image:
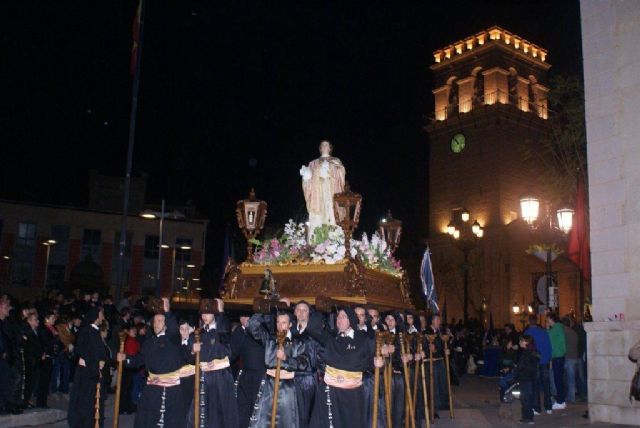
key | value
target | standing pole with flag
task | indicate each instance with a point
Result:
(428, 283)
(136, 54)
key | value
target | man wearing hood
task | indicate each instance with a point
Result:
(92, 356)
(441, 392)
(162, 398)
(217, 410)
(340, 395)
(395, 325)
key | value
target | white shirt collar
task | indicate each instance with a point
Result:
(95, 326)
(289, 335)
(348, 333)
(185, 341)
(392, 331)
(363, 327)
(301, 328)
(161, 334)
(412, 329)
(212, 326)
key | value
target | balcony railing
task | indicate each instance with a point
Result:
(491, 98)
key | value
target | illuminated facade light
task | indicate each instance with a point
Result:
(565, 219)
(530, 208)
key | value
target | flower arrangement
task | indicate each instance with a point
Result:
(325, 246)
(540, 251)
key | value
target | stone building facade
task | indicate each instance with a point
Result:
(610, 39)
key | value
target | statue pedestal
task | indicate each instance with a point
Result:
(348, 281)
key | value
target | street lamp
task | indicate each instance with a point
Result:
(530, 207)
(391, 231)
(515, 308)
(465, 237)
(346, 209)
(251, 214)
(48, 243)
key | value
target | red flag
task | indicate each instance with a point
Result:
(136, 39)
(578, 248)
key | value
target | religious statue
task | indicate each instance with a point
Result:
(323, 178)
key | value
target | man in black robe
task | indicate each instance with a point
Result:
(92, 356)
(7, 355)
(218, 409)
(441, 393)
(306, 377)
(340, 395)
(251, 356)
(292, 359)
(395, 325)
(161, 404)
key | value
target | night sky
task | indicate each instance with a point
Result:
(239, 94)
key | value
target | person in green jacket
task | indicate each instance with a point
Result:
(558, 353)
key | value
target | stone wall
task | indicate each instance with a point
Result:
(610, 36)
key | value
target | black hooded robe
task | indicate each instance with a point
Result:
(82, 399)
(160, 406)
(339, 407)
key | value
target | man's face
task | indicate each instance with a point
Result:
(507, 329)
(435, 322)
(207, 318)
(184, 331)
(158, 324)
(409, 318)
(100, 318)
(283, 323)
(423, 321)
(390, 321)
(361, 315)
(4, 310)
(33, 321)
(325, 148)
(302, 312)
(375, 316)
(244, 321)
(95, 297)
(132, 332)
(342, 322)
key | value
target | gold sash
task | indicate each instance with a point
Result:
(342, 378)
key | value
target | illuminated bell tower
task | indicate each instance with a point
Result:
(490, 115)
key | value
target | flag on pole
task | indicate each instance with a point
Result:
(136, 39)
(578, 247)
(428, 283)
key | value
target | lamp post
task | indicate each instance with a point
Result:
(391, 230)
(161, 215)
(346, 209)
(251, 214)
(530, 211)
(466, 238)
(48, 243)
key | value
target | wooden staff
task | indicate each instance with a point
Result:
(407, 388)
(388, 378)
(96, 416)
(376, 382)
(416, 336)
(116, 406)
(424, 386)
(276, 386)
(445, 339)
(431, 338)
(196, 384)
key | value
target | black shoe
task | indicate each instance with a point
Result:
(526, 421)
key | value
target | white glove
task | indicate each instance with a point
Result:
(305, 172)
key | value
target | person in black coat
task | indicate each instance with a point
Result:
(7, 404)
(340, 394)
(33, 357)
(92, 357)
(250, 354)
(526, 373)
(162, 398)
(216, 381)
(306, 377)
(51, 346)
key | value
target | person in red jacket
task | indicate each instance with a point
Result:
(131, 347)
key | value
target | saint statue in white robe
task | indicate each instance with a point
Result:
(321, 179)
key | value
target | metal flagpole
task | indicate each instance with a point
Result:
(132, 132)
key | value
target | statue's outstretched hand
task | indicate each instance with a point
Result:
(305, 172)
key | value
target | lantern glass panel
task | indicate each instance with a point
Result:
(565, 219)
(530, 208)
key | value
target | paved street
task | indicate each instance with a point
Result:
(476, 405)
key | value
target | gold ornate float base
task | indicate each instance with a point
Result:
(349, 281)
